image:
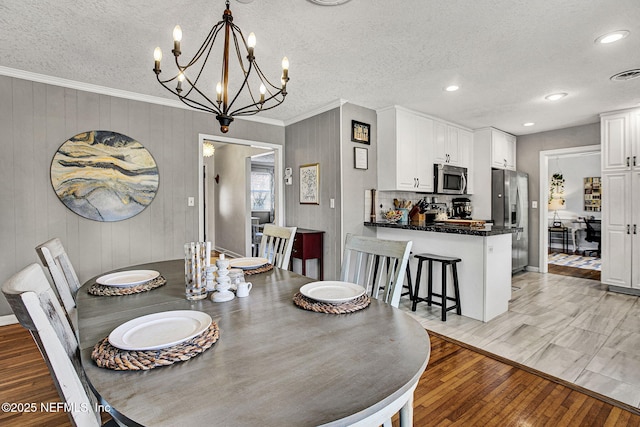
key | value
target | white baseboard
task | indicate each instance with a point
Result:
(534, 269)
(9, 319)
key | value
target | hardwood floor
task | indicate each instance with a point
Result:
(460, 387)
(574, 272)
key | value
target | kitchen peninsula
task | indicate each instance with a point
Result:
(484, 273)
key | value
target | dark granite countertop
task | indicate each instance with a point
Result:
(445, 228)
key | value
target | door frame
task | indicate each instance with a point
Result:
(544, 195)
(279, 184)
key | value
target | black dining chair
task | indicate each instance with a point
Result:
(593, 234)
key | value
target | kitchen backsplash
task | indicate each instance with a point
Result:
(384, 200)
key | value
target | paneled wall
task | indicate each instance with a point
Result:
(356, 181)
(36, 118)
(317, 140)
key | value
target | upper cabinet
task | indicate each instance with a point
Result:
(405, 145)
(452, 144)
(501, 146)
(620, 140)
(410, 143)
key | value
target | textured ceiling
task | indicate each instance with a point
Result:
(505, 54)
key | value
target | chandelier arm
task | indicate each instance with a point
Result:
(246, 73)
(195, 82)
(209, 41)
(194, 87)
(264, 78)
(240, 111)
(191, 103)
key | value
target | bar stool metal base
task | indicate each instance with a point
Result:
(452, 261)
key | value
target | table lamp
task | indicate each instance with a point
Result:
(555, 205)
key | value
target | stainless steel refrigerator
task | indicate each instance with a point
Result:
(509, 208)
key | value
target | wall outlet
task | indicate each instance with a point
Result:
(332, 203)
(288, 180)
(191, 201)
(534, 204)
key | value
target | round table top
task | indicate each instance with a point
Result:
(273, 365)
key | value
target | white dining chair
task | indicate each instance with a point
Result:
(35, 305)
(54, 257)
(276, 244)
(377, 265)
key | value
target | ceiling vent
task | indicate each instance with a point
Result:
(626, 75)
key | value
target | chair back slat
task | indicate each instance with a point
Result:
(37, 309)
(53, 256)
(385, 262)
(276, 244)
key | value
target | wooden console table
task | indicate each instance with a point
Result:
(308, 245)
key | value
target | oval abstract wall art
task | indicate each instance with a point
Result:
(104, 176)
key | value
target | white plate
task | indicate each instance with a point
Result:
(125, 279)
(332, 291)
(248, 263)
(159, 330)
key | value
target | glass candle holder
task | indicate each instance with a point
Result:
(195, 264)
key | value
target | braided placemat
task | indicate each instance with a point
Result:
(109, 291)
(324, 307)
(266, 267)
(107, 356)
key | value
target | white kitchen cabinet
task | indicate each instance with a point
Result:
(405, 146)
(619, 150)
(503, 150)
(452, 144)
(620, 134)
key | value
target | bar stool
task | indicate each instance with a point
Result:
(452, 261)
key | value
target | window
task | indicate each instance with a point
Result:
(261, 190)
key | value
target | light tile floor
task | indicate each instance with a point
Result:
(567, 327)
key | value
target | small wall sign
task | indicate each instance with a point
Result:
(360, 132)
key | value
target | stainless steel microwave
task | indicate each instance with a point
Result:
(450, 179)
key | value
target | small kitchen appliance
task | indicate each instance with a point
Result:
(450, 179)
(461, 207)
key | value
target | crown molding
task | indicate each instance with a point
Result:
(103, 90)
(322, 109)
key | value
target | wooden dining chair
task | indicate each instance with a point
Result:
(276, 244)
(35, 305)
(377, 265)
(54, 257)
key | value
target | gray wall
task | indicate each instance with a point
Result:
(356, 181)
(316, 140)
(37, 118)
(528, 160)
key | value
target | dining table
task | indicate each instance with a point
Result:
(274, 364)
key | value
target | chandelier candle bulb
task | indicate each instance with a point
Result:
(219, 92)
(285, 70)
(263, 90)
(177, 37)
(251, 44)
(157, 56)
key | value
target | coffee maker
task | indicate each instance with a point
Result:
(461, 207)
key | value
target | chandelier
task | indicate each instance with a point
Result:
(252, 87)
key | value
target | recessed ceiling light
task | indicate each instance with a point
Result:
(329, 2)
(452, 88)
(612, 37)
(555, 96)
(528, 124)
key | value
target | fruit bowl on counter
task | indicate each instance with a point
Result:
(392, 215)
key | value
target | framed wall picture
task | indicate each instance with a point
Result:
(592, 194)
(360, 158)
(360, 132)
(310, 184)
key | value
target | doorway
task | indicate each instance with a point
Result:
(228, 198)
(566, 185)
